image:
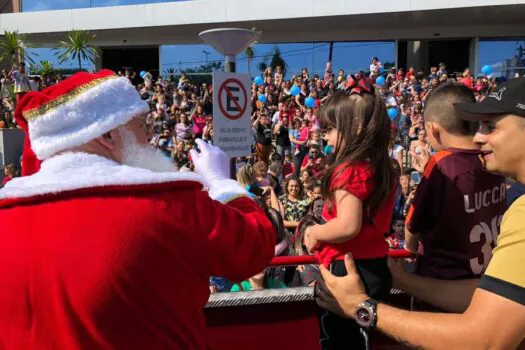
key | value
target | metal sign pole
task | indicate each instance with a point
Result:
(229, 67)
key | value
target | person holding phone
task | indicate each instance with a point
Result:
(415, 177)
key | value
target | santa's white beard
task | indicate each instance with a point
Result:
(143, 156)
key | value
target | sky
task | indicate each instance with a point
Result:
(350, 56)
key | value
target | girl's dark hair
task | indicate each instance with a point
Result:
(364, 130)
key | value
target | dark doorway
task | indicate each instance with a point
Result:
(454, 53)
(136, 59)
(402, 47)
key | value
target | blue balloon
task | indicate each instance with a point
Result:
(486, 69)
(309, 102)
(380, 81)
(295, 90)
(258, 80)
(262, 98)
(392, 113)
(143, 74)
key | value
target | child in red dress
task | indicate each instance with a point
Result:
(359, 189)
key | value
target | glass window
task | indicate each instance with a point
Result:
(507, 57)
(350, 56)
(47, 5)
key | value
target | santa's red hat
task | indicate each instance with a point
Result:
(76, 111)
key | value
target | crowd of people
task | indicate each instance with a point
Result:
(290, 153)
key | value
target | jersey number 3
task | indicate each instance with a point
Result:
(490, 233)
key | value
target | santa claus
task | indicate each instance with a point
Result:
(106, 246)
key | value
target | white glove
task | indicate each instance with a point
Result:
(211, 162)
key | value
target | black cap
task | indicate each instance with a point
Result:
(508, 99)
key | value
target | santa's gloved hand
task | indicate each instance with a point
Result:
(211, 162)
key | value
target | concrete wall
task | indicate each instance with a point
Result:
(296, 20)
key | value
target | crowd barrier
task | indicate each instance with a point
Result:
(273, 319)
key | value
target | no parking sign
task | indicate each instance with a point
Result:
(231, 113)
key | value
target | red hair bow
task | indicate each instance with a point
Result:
(357, 84)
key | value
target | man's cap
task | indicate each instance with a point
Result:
(508, 99)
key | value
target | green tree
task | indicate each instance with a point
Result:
(46, 69)
(249, 52)
(202, 74)
(13, 48)
(276, 59)
(169, 74)
(77, 47)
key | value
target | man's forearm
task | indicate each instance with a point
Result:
(422, 330)
(453, 296)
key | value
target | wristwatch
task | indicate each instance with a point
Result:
(366, 314)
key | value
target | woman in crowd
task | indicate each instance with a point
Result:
(263, 132)
(307, 180)
(183, 129)
(199, 121)
(208, 130)
(9, 172)
(395, 149)
(294, 203)
(179, 155)
(420, 145)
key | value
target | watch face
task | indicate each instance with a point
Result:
(363, 317)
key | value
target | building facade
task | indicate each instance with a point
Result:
(456, 29)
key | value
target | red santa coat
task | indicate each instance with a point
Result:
(96, 255)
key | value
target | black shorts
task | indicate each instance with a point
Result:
(341, 333)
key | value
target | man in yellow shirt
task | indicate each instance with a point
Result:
(495, 317)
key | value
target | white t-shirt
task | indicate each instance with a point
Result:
(394, 153)
(275, 118)
(373, 67)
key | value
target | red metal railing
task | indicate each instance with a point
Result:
(309, 259)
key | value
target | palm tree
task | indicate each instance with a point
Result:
(46, 69)
(249, 52)
(170, 73)
(77, 46)
(275, 60)
(13, 48)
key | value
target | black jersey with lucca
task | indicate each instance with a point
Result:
(457, 211)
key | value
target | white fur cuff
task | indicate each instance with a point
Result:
(227, 190)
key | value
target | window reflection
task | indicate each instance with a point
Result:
(507, 57)
(48, 5)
